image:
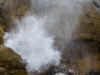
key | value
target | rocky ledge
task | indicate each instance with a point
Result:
(11, 63)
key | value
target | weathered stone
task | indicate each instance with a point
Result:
(3, 71)
(11, 61)
(89, 27)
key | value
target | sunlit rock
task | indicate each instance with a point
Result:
(11, 61)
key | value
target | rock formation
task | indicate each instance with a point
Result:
(11, 63)
(82, 54)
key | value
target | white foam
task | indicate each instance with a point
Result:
(30, 40)
(59, 74)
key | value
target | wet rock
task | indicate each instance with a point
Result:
(11, 61)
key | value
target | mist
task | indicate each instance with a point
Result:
(62, 16)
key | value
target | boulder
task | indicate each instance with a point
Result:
(11, 62)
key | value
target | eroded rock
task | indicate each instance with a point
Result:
(11, 62)
(3, 71)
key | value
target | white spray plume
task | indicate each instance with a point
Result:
(30, 40)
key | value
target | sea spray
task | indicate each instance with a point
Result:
(29, 39)
(32, 37)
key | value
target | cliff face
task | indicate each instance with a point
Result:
(82, 53)
(10, 62)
